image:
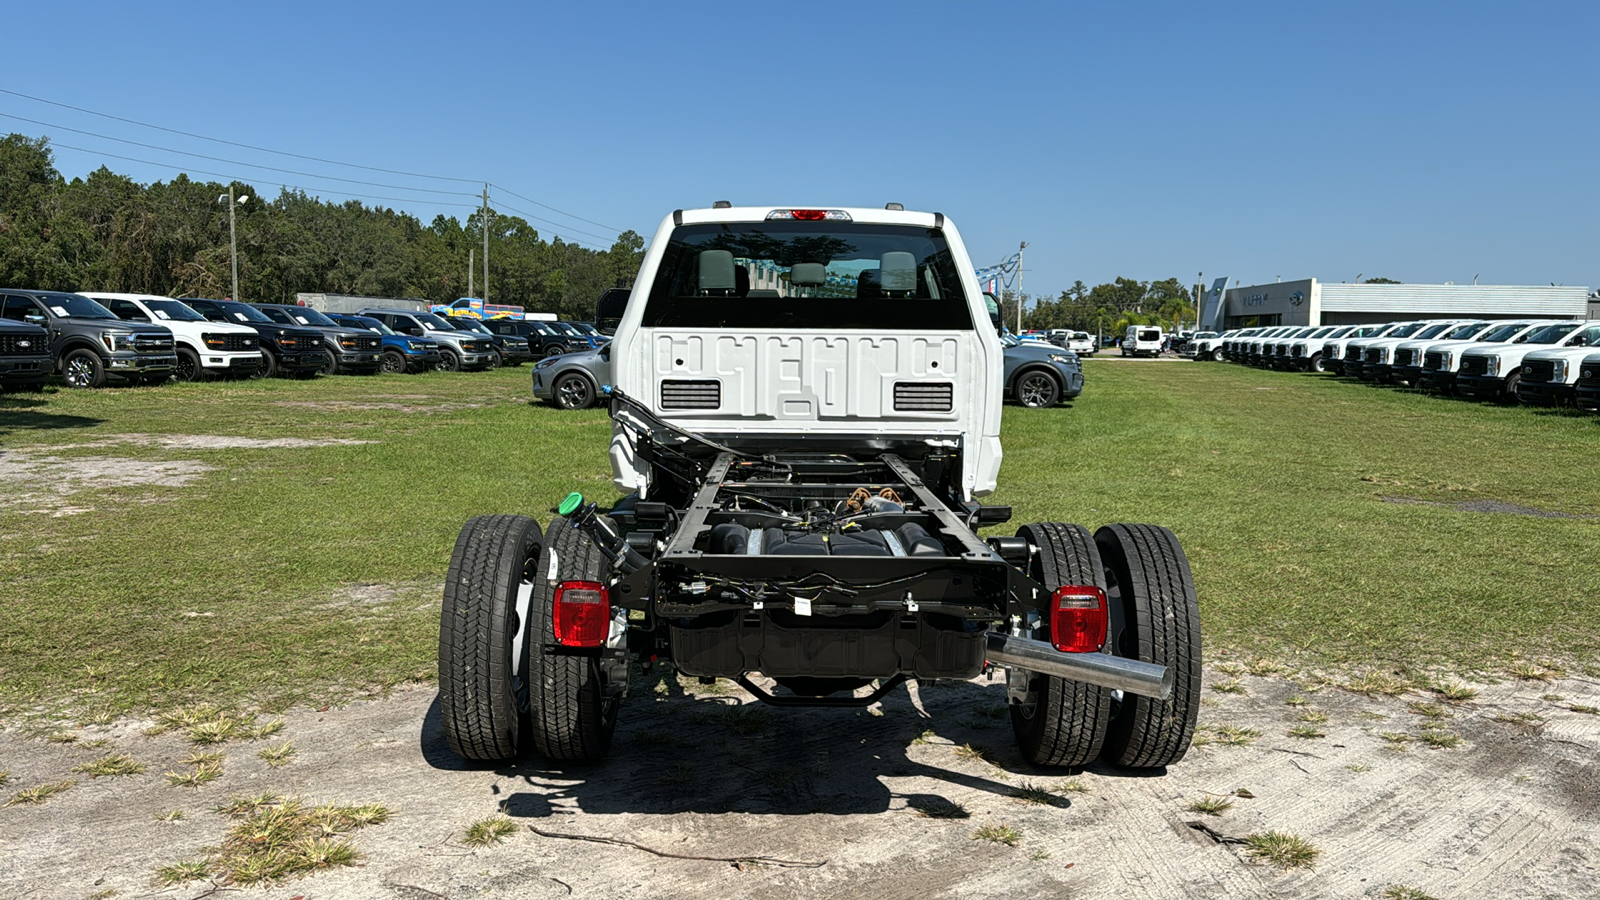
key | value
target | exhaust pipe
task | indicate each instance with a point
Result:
(1128, 675)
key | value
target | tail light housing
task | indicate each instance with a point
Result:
(1078, 618)
(582, 613)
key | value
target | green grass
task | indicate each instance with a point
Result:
(111, 766)
(288, 576)
(488, 831)
(1286, 851)
(1000, 834)
(1211, 806)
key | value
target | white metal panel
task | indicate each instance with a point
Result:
(1402, 300)
(778, 381)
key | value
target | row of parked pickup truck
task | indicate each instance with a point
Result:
(93, 337)
(1544, 362)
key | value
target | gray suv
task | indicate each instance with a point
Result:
(457, 349)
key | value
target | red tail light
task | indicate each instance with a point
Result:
(1078, 618)
(582, 614)
(809, 215)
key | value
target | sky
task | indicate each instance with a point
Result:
(1424, 142)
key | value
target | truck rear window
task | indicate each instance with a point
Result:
(807, 275)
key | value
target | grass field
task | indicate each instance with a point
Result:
(1321, 518)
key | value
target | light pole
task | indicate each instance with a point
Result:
(233, 234)
(1019, 285)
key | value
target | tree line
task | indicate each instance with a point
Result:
(1106, 308)
(107, 232)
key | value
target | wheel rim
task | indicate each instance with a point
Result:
(329, 364)
(393, 364)
(188, 368)
(552, 351)
(494, 360)
(79, 373)
(1035, 390)
(573, 393)
(447, 363)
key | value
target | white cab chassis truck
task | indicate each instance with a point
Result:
(806, 405)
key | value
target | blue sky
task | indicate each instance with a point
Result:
(1426, 142)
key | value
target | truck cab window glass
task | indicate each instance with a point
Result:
(74, 306)
(305, 315)
(807, 274)
(174, 311)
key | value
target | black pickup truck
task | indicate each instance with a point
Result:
(89, 343)
(345, 350)
(294, 351)
(24, 356)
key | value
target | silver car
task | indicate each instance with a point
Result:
(573, 380)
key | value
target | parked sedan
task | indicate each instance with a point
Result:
(1040, 375)
(573, 380)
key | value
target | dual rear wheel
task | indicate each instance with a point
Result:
(503, 684)
(1154, 617)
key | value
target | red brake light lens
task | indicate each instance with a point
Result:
(809, 215)
(582, 612)
(1078, 618)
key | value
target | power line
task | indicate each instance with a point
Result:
(312, 187)
(331, 162)
(553, 209)
(233, 162)
(318, 159)
(599, 237)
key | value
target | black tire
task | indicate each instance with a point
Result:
(449, 361)
(268, 367)
(1036, 389)
(394, 363)
(1217, 355)
(83, 369)
(1509, 395)
(189, 368)
(1067, 726)
(1316, 364)
(330, 363)
(573, 713)
(550, 350)
(483, 702)
(496, 360)
(573, 390)
(1152, 589)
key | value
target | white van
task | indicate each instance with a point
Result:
(1141, 340)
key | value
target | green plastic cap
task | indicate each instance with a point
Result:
(571, 504)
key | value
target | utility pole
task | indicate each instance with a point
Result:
(486, 245)
(233, 244)
(1019, 285)
(233, 236)
(472, 260)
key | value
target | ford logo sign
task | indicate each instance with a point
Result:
(1297, 298)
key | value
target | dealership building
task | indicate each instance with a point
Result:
(1311, 302)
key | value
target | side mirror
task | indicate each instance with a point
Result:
(994, 311)
(35, 318)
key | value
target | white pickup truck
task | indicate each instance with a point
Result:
(1493, 371)
(1550, 377)
(204, 347)
(1441, 359)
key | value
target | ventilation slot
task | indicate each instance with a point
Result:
(691, 394)
(912, 396)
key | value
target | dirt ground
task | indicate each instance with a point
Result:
(1513, 811)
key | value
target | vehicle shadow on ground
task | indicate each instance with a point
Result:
(677, 752)
(16, 414)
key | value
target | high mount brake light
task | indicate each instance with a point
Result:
(582, 613)
(1078, 618)
(810, 215)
